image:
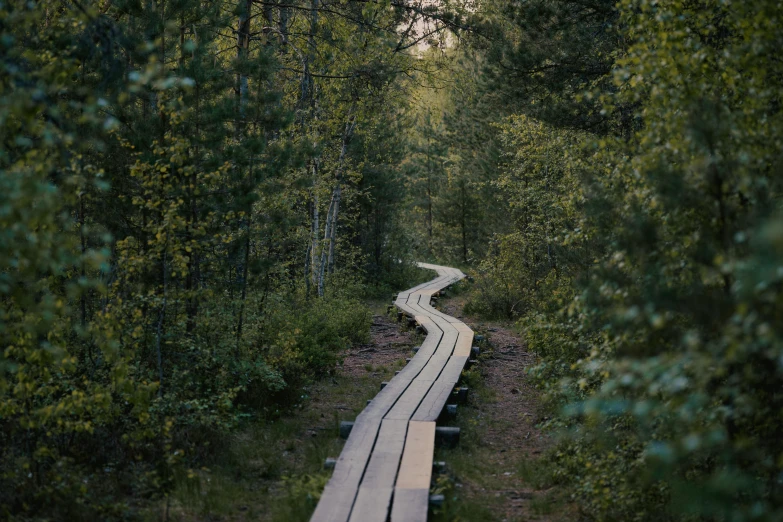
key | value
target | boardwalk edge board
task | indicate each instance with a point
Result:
(385, 468)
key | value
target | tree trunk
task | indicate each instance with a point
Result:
(244, 280)
(464, 222)
(161, 318)
(429, 196)
(83, 297)
(307, 96)
(243, 45)
(333, 237)
(315, 229)
(327, 237)
(330, 233)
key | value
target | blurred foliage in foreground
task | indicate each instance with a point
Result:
(643, 173)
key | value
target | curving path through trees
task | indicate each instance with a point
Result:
(385, 468)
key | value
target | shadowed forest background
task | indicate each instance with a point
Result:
(197, 199)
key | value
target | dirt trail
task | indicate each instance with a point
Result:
(497, 470)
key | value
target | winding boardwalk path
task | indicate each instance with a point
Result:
(385, 468)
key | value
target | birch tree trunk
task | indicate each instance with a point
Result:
(308, 97)
(327, 237)
(330, 231)
(333, 236)
(315, 229)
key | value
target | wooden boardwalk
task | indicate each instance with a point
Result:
(385, 468)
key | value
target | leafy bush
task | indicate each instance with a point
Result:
(302, 339)
(661, 348)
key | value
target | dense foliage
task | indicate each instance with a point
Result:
(641, 172)
(195, 196)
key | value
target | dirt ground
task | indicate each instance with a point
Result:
(389, 346)
(497, 471)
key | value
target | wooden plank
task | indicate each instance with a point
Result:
(416, 466)
(386, 455)
(462, 327)
(349, 467)
(426, 323)
(411, 493)
(424, 306)
(438, 282)
(407, 310)
(438, 395)
(374, 497)
(442, 322)
(432, 370)
(409, 401)
(372, 505)
(430, 344)
(387, 397)
(410, 505)
(335, 504)
(463, 345)
(447, 343)
(390, 394)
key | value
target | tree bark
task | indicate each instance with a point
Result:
(243, 46)
(161, 318)
(315, 229)
(244, 279)
(333, 236)
(330, 233)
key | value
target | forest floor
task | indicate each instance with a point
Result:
(497, 472)
(273, 470)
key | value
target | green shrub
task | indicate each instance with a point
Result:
(661, 340)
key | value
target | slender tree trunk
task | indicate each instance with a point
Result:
(244, 280)
(464, 222)
(82, 271)
(548, 223)
(307, 97)
(429, 192)
(429, 210)
(724, 232)
(161, 318)
(243, 45)
(83, 299)
(308, 258)
(315, 230)
(307, 87)
(334, 205)
(333, 236)
(161, 112)
(283, 24)
(182, 41)
(327, 237)
(194, 269)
